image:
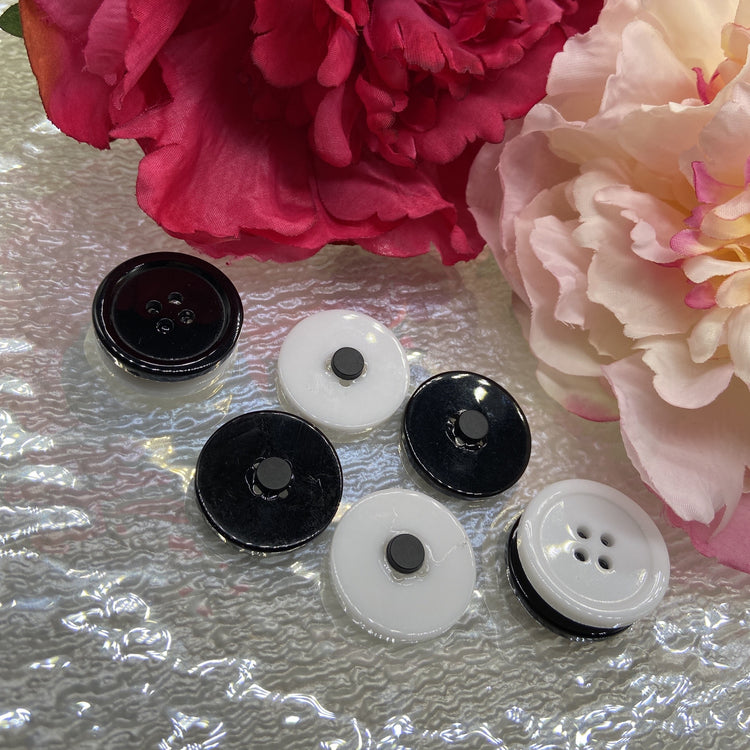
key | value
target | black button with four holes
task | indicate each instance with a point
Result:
(167, 316)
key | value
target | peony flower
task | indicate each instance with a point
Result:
(620, 213)
(272, 128)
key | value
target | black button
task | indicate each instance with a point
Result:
(347, 363)
(268, 481)
(167, 316)
(405, 553)
(466, 435)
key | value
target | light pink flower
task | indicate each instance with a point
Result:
(620, 213)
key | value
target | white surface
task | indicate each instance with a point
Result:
(411, 607)
(592, 554)
(314, 391)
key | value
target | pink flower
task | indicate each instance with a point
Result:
(621, 216)
(272, 128)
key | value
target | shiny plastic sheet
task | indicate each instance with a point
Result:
(125, 622)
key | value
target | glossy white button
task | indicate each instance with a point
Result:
(402, 606)
(352, 401)
(592, 554)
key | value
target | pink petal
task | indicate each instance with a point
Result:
(730, 545)
(285, 26)
(694, 459)
(338, 62)
(707, 189)
(76, 100)
(680, 381)
(332, 129)
(701, 296)
(738, 340)
(588, 397)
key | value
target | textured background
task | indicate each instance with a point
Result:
(124, 622)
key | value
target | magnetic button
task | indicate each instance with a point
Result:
(268, 481)
(167, 316)
(402, 565)
(586, 560)
(466, 435)
(342, 370)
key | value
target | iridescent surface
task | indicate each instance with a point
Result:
(126, 622)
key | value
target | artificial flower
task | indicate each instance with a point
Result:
(272, 128)
(620, 214)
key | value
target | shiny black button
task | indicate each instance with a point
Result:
(268, 481)
(167, 316)
(466, 435)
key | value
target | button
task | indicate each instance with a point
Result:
(402, 565)
(586, 560)
(343, 371)
(268, 481)
(167, 316)
(466, 435)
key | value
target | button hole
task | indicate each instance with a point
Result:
(605, 563)
(583, 532)
(580, 554)
(164, 325)
(175, 298)
(186, 316)
(153, 307)
(607, 540)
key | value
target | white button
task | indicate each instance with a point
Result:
(353, 401)
(402, 606)
(592, 554)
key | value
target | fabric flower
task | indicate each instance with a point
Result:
(620, 213)
(272, 128)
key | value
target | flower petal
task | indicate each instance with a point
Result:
(729, 545)
(694, 459)
(678, 379)
(738, 340)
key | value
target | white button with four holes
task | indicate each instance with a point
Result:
(343, 370)
(402, 565)
(592, 554)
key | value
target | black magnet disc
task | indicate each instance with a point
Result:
(167, 316)
(405, 553)
(466, 435)
(268, 481)
(347, 363)
(538, 608)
